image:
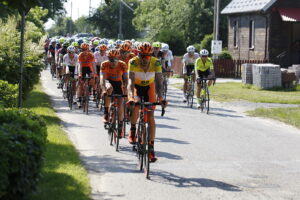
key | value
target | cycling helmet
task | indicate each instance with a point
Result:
(110, 41)
(128, 42)
(204, 52)
(97, 48)
(102, 41)
(66, 44)
(118, 42)
(110, 46)
(164, 47)
(133, 41)
(62, 40)
(145, 48)
(75, 44)
(136, 44)
(156, 44)
(80, 41)
(125, 47)
(84, 46)
(57, 41)
(102, 47)
(190, 49)
(71, 49)
(53, 41)
(113, 53)
(96, 42)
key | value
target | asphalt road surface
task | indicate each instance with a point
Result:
(223, 155)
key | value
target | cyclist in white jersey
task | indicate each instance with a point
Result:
(188, 61)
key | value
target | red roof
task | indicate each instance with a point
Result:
(290, 14)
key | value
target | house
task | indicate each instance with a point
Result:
(264, 30)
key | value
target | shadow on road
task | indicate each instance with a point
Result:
(166, 126)
(168, 155)
(168, 178)
(106, 196)
(170, 140)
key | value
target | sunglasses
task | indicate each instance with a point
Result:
(70, 52)
(145, 56)
(204, 56)
(124, 52)
(112, 59)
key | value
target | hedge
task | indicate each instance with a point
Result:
(22, 145)
(8, 94)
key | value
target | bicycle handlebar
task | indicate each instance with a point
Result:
(117, 95)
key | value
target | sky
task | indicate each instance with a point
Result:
(80, 8)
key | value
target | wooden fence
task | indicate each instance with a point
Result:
(223, 68)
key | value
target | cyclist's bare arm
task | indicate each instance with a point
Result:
(159, 85)
(102, 82)
(125, 80)
(131, 84)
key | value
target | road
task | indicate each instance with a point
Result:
(223, 155)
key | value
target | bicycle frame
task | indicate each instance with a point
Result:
(190, 90)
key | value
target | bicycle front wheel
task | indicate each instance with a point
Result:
(87, 100)
(117, 134)
(147, 153)
(207, 100)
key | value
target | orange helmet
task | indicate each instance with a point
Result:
(113, 53)
(84, 46)
(145, 48)
(125, 47)
(102, 47)
(128, 41)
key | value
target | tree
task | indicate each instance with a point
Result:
(83, 25)
(106, 19)
(63, 26)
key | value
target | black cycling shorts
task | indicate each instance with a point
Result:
(189, 69)
(86, 71)
(98, 69)
(142, 92)
(203, 74)
(72, 71)
(117, 87)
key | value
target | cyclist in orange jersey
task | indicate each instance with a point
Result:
(114, 71)
(86, 62)
(125, 52)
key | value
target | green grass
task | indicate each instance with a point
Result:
(63, 175)
(287, 115)
(237, 91)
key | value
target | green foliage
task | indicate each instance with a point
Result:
(206, 42)
(197, 46)
(8, 94)
(106, 20)
(175, 40)
(63, 26)
(225, 55)
(10, 53)
(194, 18)
(22, 144)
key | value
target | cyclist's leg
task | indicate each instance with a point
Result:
(107, 101)
(199, 87)
(151, 121)
(185, 77)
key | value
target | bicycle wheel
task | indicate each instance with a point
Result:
(117, 121)
(70, 94)
(207, 100)
(87, 99)
(147, 153)
(140, 146)
(124, 120)
(191, 95)
(165, 88)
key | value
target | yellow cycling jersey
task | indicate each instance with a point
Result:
(199, 65)
(143, 78)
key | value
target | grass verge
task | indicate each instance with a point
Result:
(287, 115)
(63, 175)
(237, 91)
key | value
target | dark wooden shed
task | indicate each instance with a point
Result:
(264, 30)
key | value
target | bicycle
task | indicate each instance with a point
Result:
(204, 96)
(113, 125)
(165, 83)
(190, 90)
(52, 68)
(70, 90)
(86, 94)
(142, 146)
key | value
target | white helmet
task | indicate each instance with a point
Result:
(110, 46)
(190, 49)
(204, 52)
(71, 49)
(164, 47)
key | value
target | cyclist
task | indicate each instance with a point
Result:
(115, 72)
(125, 52)
(144, 71)
(60, 68)
(157, 51)
(100, 56)
(86, 61)
(204, 69)
(70, 61)
(167, 59)
(51, 54)
(95, 43)
(188, 61)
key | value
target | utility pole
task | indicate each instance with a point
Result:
(120, 35)
(90, 9)
(71, 9)
(21, 58)
(216, 19)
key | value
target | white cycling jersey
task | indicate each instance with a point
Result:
(187, 60)
(99, 59)
(67, 61)
(168, 57)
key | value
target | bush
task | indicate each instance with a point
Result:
(197, 46)
(10, 52)
(225, 55)
(22, 144)
(174, 39)
(8, 94)
(206, 42)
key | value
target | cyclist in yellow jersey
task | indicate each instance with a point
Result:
(204, 68)
(144, 72)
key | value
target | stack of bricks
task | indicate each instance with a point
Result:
(296, 69)
(266, 76)
(247, 74)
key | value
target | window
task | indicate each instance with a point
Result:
(251, 34)
(235, 33)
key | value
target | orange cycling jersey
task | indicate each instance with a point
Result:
(113, 74)
(126, 60)
(86, 60)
